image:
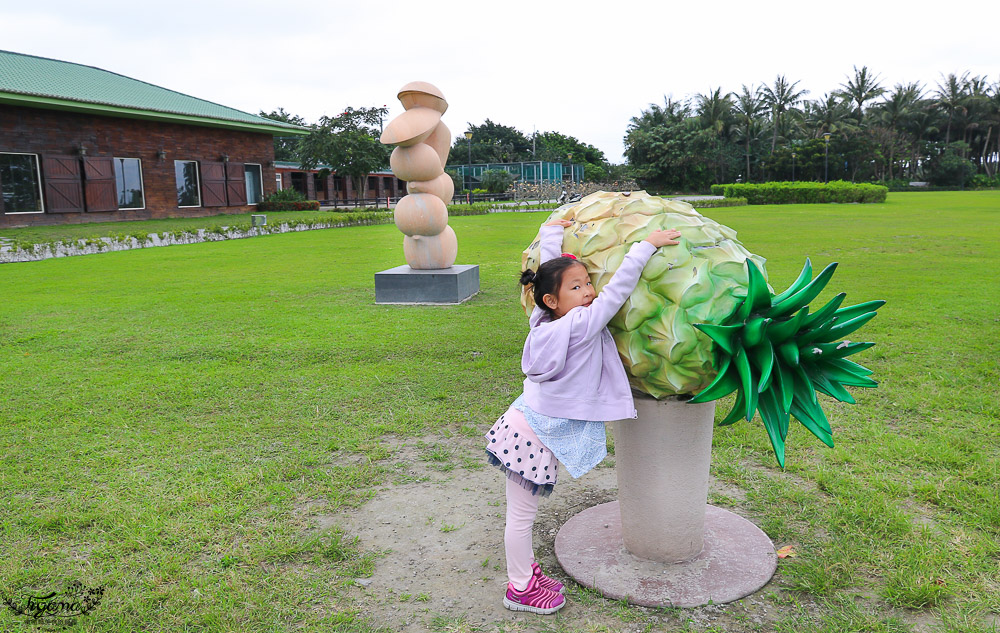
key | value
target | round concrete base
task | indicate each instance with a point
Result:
(738, 559)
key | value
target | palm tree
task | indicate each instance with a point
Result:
(921, 124)
(671, 112)
(830, 114)
(893, 113)
(779, 99)
(647, 129)
(993, 117)
(714, 112)
(748, 108)
(950, 96)
(977, 114)
(864, 87)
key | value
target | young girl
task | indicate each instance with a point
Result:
(575, 382)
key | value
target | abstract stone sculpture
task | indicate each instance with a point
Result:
(422, 143)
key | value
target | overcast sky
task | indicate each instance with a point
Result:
(582, 68)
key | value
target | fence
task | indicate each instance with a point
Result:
(387, 202)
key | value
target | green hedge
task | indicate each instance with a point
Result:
(285, 205)
(715, 204)
(803, 192)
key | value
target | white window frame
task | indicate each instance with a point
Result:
(277, 179)
(260, 194)
(197, 176)
(41, 194)
(142, 184)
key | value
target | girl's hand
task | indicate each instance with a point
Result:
(666, 237)
(562, 223)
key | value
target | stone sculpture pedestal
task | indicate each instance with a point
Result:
(661, 544)
(445, 286)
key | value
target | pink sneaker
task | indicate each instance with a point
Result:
(544, 581)
(534, 599)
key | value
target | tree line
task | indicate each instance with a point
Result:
(947, 134)
(348, 143)
(496, 143)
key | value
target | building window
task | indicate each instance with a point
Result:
(277, 181)
(188, 186)
(20, 184)
(255, 183)
(128, 182)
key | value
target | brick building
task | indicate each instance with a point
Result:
(81, 144)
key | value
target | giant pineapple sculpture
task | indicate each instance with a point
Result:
(703, 320)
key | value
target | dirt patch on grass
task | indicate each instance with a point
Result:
(440, 527)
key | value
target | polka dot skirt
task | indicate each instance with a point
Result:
(513, 447)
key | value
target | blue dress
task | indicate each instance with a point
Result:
(579, 445)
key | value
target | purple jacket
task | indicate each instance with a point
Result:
(572, 365)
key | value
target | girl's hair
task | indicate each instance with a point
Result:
(548, 279)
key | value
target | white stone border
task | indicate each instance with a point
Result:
(38, 252)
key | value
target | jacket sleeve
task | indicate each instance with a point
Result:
(612, 297)
(551, 238)
(545, 350)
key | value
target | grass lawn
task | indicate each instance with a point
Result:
(166, 412)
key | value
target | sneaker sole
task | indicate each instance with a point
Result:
(517, 606)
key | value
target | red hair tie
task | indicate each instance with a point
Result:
(570, 255)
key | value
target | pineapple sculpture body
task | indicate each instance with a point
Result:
(703, 321)
(701, 280)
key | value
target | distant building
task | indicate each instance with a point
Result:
(314, 186)
(81, 144)
(533, 172)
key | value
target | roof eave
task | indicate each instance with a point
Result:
(100, 109)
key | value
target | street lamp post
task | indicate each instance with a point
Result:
(826, 157)
(468, 173)
(570, 157)
(793, 166)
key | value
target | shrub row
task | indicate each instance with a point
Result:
(288, 205)
(976, 182)
(482, 208)
(803, 192)
(715, 204)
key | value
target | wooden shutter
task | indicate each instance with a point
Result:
(213, 184)
(236, 184)
(63, 186)
(101, 192)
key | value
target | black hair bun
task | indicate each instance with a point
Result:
(528, 277)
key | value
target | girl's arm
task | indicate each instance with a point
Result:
(610, 300)
(612, 297)
(551, 237)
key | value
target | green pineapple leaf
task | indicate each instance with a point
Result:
(776, 355)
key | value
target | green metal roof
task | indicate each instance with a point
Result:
(49, 83)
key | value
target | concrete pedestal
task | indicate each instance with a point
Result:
(736, 560)
(661, 544)
(406, 285)
(662, 459)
